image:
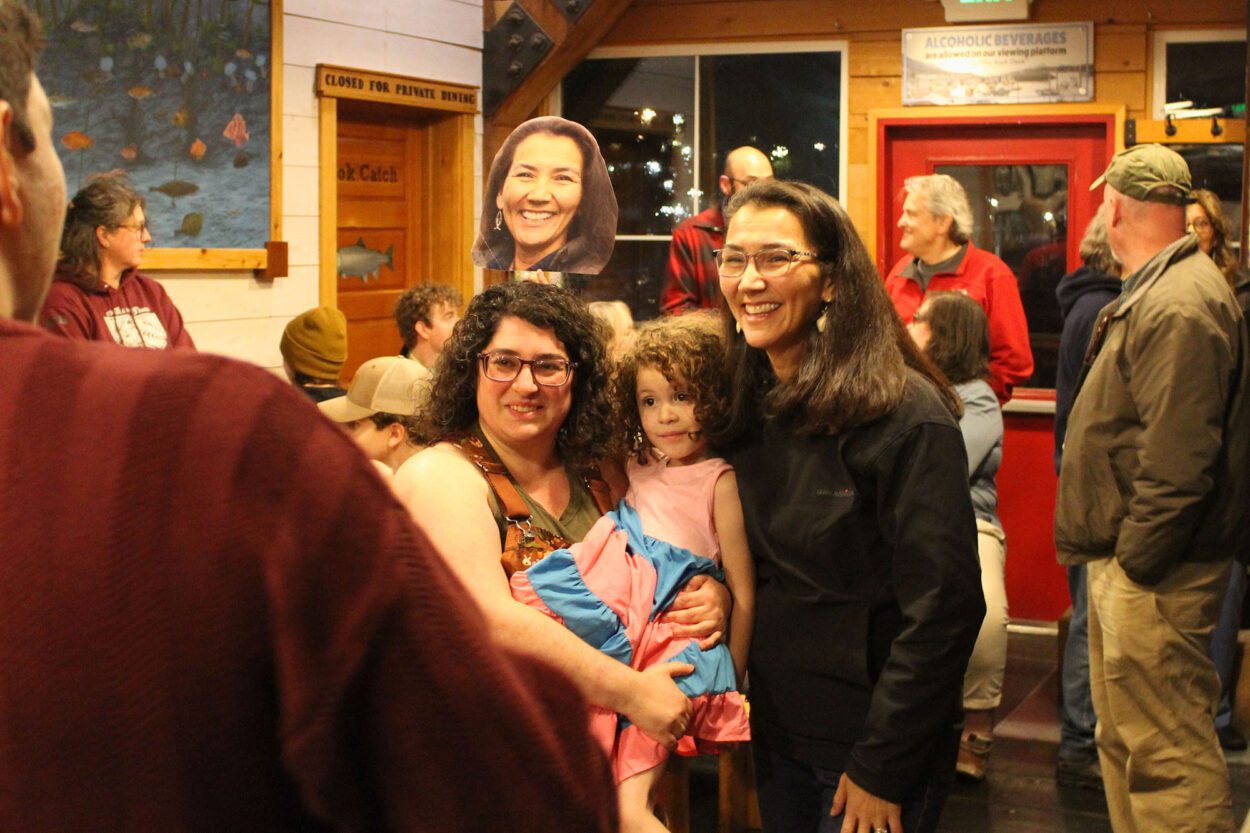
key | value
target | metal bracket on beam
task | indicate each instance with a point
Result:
(573, 9)
(1130, 132)
(511, 49)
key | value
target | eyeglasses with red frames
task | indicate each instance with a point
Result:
(548, 371)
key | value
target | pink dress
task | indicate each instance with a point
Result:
(610, 588)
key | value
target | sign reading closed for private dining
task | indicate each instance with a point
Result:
(341, 82)
(1007, 64)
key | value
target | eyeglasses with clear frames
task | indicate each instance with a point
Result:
(772, 262)
(551, 372)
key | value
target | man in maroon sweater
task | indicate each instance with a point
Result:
(213, 615)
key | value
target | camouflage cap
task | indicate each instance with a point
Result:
(1142, 170)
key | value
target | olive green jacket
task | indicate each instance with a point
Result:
(1156, 461)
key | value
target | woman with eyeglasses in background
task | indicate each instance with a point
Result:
(854, 487)
(98, 293)
(1206, 220)
(519, 414)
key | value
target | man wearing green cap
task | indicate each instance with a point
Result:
(1152, 495)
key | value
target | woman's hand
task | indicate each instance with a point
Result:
(700, 611)
(658, 706)
(864, 811)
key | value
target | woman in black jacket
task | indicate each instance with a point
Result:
(854, 486)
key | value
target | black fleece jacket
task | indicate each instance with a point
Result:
(869, 592)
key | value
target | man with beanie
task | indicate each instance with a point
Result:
(314, 347)
(1152, 497)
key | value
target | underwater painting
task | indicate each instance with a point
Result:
(177, 94)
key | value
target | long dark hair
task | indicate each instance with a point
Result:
(592, 233)
(107, 200)
(452, 406)
(853, 372)
(959, 336)
(1221, 253)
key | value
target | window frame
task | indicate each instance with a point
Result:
(699, 49)
(1159, 58)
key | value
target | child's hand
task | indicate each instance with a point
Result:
(700, 611)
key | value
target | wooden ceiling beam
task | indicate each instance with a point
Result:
(571, 44)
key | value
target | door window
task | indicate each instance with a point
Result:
(1020, 213)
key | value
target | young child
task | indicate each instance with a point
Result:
(680, 517)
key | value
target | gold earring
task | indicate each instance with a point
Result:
(737, 325)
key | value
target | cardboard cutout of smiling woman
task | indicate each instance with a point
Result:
(549, 203)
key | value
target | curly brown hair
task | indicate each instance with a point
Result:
(452, 405)
(689, 351)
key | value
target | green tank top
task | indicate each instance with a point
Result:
(574, 522)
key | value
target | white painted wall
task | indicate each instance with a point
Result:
(441, 40)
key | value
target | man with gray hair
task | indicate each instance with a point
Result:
(937, 230)
(1152, 498)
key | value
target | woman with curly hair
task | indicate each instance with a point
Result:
(519, 413)
(854, 487)
(555, 209)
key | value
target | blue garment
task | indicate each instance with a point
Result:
(1076, 733)
(1224, 642)
(558, 581)
(1082, 296)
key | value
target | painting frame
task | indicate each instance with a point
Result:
(261, 249)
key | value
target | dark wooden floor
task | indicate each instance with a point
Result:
(1019, 795)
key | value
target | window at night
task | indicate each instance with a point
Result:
(665, 124)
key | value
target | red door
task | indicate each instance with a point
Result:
(1028, 180)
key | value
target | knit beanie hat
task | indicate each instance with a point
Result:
(314, 343)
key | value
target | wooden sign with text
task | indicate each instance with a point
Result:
(340, 82)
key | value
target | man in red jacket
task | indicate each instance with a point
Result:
(213, 614)
(937, 227)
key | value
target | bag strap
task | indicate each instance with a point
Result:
(480, 455)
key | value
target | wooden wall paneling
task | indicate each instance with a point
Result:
(327, 197)
(418, 222)
(870, 58)
(450, 203)
(865, 94)
(1126, 88)
(857, 146)
(1191, 131)
(1120, 49)
(758, 19)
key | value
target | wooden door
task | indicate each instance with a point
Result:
(1002, 162)
(381, 197)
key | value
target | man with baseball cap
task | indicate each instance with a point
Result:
(1152, 495)
(384, 396)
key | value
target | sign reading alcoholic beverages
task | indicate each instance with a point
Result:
(340, 82)
(1011, 64)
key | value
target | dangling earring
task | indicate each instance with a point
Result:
(498, 219)
(822, 320)
(737, 325)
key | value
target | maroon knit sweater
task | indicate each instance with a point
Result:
(214, 617)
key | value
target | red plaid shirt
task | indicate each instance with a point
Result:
(693, 279)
